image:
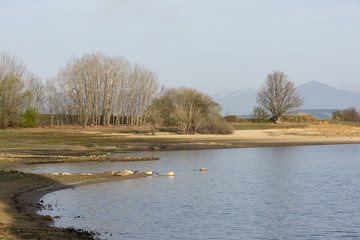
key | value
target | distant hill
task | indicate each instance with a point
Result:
(320, 100)
(318, 113)
(321, 96)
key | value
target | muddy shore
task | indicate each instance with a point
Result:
(20, 195)
(20, 192)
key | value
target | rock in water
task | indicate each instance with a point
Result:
(202, 169)
(170, 174)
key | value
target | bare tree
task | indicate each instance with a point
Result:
(107, 90)
(14, 98)
(51, 96)
(278, 95)
(153, 116)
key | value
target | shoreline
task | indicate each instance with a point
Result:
(174, 142)
(20, 196)
(20, 202)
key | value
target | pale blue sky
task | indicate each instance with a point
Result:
(210, 45)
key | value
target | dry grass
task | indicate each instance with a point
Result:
(325, 129)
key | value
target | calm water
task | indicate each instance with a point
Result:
(259, 193)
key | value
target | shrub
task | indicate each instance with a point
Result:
(351, 115)
(30, 117)
(300, 117)
(216, 126)
(260, 114)
(338, 115)
(231, 118)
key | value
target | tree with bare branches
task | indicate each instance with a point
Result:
(107, 90)
(14, 97)
(278, 95)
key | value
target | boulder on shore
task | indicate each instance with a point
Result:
(124, 173)
(128, 172)
(109, 172)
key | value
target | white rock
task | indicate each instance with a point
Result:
(128, 172)
(149, 173)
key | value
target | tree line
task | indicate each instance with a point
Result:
(100, 90)
(92, 90)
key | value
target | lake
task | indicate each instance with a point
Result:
(310, 192)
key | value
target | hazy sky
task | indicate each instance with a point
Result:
(210, 45)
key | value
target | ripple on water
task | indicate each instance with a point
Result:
(259, 193)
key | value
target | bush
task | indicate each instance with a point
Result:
(30, 117)
(260, 114)
(10, 119)
(216, 126)
(231, 118)
(300, 117)
(351, 115)
(338, 115)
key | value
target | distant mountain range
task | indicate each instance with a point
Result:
(320, 100)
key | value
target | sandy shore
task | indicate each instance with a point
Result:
(20, 193)
(258, 138)
(99, 141)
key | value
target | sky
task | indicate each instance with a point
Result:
(209, 45)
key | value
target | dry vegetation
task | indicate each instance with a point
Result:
(327, 129)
